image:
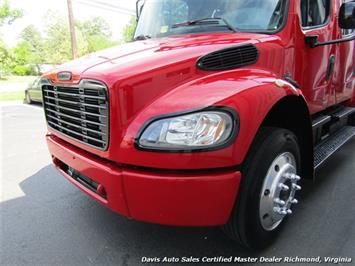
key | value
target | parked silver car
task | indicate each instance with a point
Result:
(33, 93)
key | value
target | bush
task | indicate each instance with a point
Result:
(23, 70)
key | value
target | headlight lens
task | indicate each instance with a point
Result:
(198, 130)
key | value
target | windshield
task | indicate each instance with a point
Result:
(161, 18)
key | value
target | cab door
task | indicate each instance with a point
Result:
(318, 18)
(345, 64)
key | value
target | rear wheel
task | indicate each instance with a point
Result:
(268, 189)
(28, 98)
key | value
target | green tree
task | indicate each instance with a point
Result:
(97, 34)
(92, 35)
(7, 14)
(25, 61)
(22, 53)
(128, 31)
(32, 35)
(98, 42)
(6, 59)
(54, 47)
(30, 49)
(57, 45)
(96, 26)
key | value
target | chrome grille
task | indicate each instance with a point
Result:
(81, 113)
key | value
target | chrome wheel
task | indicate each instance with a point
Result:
(278, 191)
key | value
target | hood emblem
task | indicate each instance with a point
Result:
(64, 76)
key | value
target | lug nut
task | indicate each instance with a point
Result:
(294, 201)
(280, 211)
(283, 187)
(289, 211)
(277, 210)
(280, 202)
(296, 187)
(295, 177)
(292, 177)
(287, 175)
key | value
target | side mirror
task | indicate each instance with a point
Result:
(139, 7)
(347, 16)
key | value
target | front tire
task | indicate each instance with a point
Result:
(268, 189)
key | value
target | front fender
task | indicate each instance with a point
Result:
(251, 93)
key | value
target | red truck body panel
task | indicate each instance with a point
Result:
(186, 199)
(150, 78)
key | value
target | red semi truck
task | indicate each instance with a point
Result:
(212, 115)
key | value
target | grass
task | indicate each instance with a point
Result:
(12, 79)
(12, 96)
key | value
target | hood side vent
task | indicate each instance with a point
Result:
(230, 58)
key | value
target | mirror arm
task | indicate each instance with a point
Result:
(312, 41)
(137, 8)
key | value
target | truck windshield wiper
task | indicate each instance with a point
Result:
(206, 21)
(142, 37)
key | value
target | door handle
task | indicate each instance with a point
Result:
(330, 69)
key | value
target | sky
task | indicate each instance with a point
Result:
(35, 10)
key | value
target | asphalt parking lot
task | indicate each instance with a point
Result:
(44, 220)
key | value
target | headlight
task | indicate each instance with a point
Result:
(195, 131)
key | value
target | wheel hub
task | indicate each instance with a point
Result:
(278, 191)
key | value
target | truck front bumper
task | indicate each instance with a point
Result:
(183, 199)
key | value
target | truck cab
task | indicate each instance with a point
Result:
(212, 115)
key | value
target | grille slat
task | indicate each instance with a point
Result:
(74, 94)
(77, 126)
(76, 118)
(75, 103)
(75, 133)
(80, 112)
(75, 110)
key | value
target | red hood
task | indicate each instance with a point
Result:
(121, 60)
(82, 64)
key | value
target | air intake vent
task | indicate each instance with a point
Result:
(230, 58)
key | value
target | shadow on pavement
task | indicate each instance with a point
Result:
(55, 223)
(35, 104)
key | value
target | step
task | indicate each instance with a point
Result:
(330, 145)
(344, 112)
(321, 120)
